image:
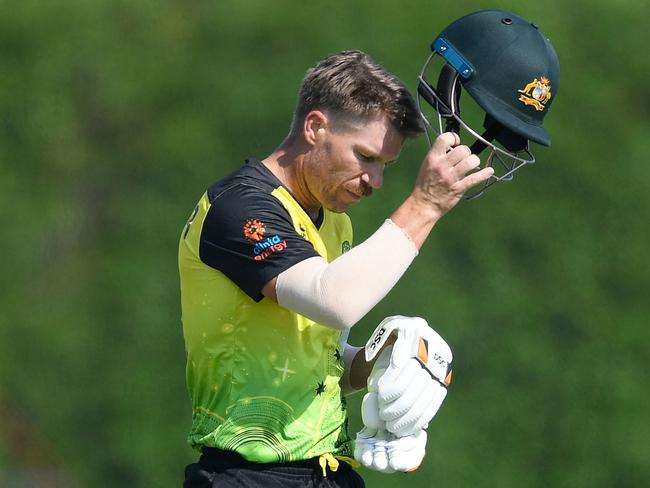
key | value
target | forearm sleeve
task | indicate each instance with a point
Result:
(349, 353)
(340, 293)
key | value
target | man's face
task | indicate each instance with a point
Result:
(347, 163)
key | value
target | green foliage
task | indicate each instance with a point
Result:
(116, 115)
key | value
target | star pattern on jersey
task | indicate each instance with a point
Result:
(321, 388)
(285, 370)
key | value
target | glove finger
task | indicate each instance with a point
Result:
(380, 457)
(402, 444)
(413, 420)
(370, 449)
(425, 408)
(378, 369)
(363, 446)
(363, 454)
(435, 404)
(394, 381)
(373, 379)
(406, 453)
(364, 457)
(420, 389)
(370, 411)
(402, 404)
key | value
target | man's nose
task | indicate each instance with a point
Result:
(374, 177)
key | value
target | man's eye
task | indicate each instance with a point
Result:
(365, 157)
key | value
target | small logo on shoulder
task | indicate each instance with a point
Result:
(265, 248)
(254, 230)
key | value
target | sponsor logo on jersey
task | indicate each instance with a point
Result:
(254, 230)
(345, 247)
(265, 248)
(536, 93)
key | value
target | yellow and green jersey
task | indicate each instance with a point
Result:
(264, 380)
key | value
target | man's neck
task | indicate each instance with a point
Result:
(287, 163)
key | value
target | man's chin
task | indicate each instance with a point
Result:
(342, 204)
(339, 207)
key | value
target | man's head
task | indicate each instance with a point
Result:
(351, 120)
(352, 89)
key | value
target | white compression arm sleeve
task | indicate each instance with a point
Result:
(339, 293)
(349, 352)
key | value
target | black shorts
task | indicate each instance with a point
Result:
(217, 468)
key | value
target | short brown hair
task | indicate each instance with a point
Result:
(350, 85)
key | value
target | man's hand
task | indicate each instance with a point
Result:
(447, 172)
(382, 451)
(408, 398)
(412, 383)
(375, 447)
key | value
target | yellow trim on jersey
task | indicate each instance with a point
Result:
(264, 381)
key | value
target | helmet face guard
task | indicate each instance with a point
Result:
(473, 55)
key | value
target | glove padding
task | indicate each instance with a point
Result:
(370, 403)
(375, 447)
(412, 385)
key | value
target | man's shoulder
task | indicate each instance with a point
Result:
(251, 179)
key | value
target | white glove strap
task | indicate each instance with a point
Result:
(414, 340)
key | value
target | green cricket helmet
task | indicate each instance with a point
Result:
(510, 69)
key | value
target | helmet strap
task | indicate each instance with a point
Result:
(449, 89)
(489, 135)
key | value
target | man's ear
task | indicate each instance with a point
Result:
(314, 122)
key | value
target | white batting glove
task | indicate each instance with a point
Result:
(413, 386)
(375, 447)
(406, 453)
(370, 403)
(382, 451)
(371, 451)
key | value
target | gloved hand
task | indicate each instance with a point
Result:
(412, 385)
(375, 447)
(381, 451)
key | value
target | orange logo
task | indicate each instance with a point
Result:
(536, 93)
(254, 230)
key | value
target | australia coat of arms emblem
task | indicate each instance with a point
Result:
(537, 93)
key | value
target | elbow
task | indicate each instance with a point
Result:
(335, 317)
(339, 322)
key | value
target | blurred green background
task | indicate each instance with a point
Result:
(116, 115)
